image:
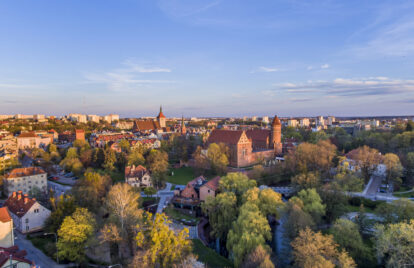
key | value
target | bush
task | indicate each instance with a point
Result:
(368, 203)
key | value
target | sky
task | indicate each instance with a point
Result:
(207, 57)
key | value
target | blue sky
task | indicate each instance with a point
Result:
(207, 57)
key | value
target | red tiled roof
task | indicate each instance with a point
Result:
(22, 172)
(27, 135)
(143, 125)
(161, 115)
(258, 134)
(19, 204)
(135, 172)
(4, 215)
(213, 184)
(225, 136)
(14, 252)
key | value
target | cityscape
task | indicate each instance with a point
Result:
(206, 134)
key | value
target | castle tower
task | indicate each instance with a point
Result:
(161, 118)
(276, 136)
(183, 129)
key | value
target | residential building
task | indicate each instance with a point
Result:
(93, 118)
(124, 125)
(320, 121)
(210, 188)
(12, 257)
(137, 176)
(330, 120)
(30, 140)
(25, 179)
(265, 119)
(304, 122)
(254, 118)
(39, 117)
(81, 118)
(292, 123)
(111, 117)
(28, 215)
(189, 197)
(6, 228)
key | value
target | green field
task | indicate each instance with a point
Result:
(181, 175)
(209, 256)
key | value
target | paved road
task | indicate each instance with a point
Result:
(373, 185)
(165, 195)
(33, 253)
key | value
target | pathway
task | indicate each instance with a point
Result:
(165, 195)
(33, 253)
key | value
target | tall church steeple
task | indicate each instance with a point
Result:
(161, 118)
(183, 129)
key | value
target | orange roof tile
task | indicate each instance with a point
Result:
(4, 215)
(19, 204)
(225, 136)
(22, 172)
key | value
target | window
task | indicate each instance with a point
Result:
(36, 210)
(27, 227)
(27, 220)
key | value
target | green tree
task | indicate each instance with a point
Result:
(250, 230)
(346, 234)
(312, 203)
(409, 168)
(297, 219)
(110, 159)
(268, 201)
(258, 258)
(217, 157)
(315, 250)
(90, 191)
(367, 159)
(222, 212)
(396, 211)
(394, 243)
(135, 158)
(237, 183)
(74, 234)
(62, 207)
(125, 145)
(150, 191)
(157, 162)
(394, 168)
(307, 180)
(162, 246)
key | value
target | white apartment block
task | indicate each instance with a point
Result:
(81, 118)
(93, 118)
(331, 120)
(292, 123)
(304, 122)
(25, 179)
(265, 119)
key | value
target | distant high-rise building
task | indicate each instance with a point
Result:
(93, 118)
(304, 122)
(265, 119)
(254, 118)
(331, 120)
(320, 121)
(292, 123)
(81, 118)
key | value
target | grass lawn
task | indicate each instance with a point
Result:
(176, 215)
(208, 256)
(181, 175)
(115, 174)
(406, 195)
(350, 208)
(45, 244)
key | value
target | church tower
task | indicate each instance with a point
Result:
(183, 129)
(276, 136)
(161, 118)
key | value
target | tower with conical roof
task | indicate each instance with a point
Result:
(161, 118)
(276, 136)
(183, 129)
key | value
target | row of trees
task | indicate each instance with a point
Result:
(99, 212)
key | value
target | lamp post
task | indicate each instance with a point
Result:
(56, 239)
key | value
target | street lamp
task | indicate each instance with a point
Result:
(56, 239)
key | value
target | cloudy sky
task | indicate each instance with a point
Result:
(207, 57)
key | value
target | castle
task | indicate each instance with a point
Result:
(250, 146)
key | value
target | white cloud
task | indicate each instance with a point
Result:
(129, 78)
(325, 66)
(263, 69)
(351, 87)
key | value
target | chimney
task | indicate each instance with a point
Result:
(26, 199)
(19, 196)
(14, 195)
(34, 199)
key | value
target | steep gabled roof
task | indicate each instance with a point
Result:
(225, 136)
(27, 135)
(258, 134)
(4, 215)
(19, 204)
(143, 125)
(213, 184)
(14, 253)
(276, 121)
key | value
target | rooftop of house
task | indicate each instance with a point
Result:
(4, 215)
(22, 172)
(27, 135)
(135, 171)
(213, 184)
(19, 204)
(14, 253)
